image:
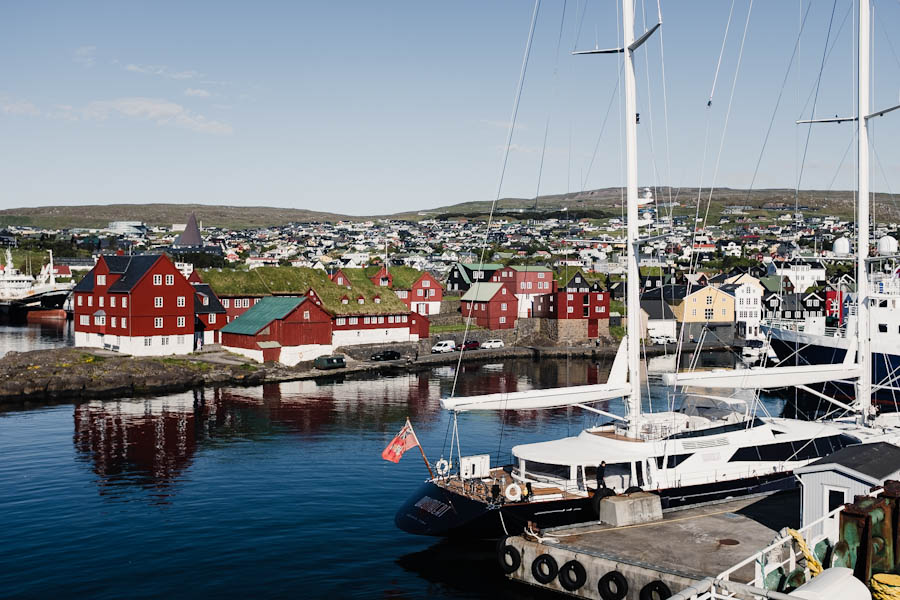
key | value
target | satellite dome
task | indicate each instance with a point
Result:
(887, 246)
(841, 246)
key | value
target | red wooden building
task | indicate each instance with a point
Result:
(527, 283)
(577, 299)
(492, 305)
(140, 305)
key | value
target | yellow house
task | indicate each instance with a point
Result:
(706, 305)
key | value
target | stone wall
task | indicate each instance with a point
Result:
(572, 331)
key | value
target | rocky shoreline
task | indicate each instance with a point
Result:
(72, 374)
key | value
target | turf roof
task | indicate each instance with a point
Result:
(402, 278)
(266, 281)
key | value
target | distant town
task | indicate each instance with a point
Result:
(298, 291)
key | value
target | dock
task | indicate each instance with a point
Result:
(685, 547)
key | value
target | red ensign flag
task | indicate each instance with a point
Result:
(405, 440)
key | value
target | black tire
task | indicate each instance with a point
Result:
(655, 590)
(572, 575)
(544, 561)
(633, 489)
(509, 557)
(613, 586)
(598, 496)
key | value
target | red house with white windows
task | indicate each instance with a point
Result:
(140, 305)
(237, 304)
(424, 296)
(578, 299)
(527, 283)
(210, 316)
(492, 305)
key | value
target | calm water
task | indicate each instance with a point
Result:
(273, 491)
(35, 336)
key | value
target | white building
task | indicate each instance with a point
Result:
(801, 274)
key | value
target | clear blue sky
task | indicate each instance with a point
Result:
(373, 107)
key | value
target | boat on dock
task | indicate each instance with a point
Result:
(21, 291)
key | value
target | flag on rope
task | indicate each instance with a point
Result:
(403, 441)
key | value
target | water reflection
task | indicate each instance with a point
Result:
(24, 337)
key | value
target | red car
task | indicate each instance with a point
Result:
(470, 345)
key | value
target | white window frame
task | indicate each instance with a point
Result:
(180, 302)
(157, 322)
(212, 318)
(157, 279)
(180, 322)
(101, 279)
(158, 302)
(170, 279)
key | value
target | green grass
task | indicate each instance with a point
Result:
(451, 328)
(617, 306)
(266, 281)
(402, 278)
(617, 332)
(452, 298)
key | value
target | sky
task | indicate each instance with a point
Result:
(381, 107)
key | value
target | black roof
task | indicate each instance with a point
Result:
(213, 306)
(131, 269)
(879, 460)
(669, 293)
(657, 310)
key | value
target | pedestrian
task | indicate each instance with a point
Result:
(601, 475)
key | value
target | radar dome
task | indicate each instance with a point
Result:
(887, 246)
(841, 246)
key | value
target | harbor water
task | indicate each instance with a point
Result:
(270, 491)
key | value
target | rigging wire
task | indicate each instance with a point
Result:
(712, 91)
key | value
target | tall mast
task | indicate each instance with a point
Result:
(633, 302)
(864, 383)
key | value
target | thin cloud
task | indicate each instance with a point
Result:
(162, 71)
(12, 106)
(85, 56)
(196, 93)
(162, 112)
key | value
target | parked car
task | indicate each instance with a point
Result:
(386, 355)
(330, 362)
(470, 345)
(493, 344)
(443, 346)
(662, 339)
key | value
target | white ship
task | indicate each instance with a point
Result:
(24, 290)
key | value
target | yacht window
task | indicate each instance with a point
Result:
(547, 470)
(882, 327)
(717, 430)
(671, 461)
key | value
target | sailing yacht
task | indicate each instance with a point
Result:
(713, 446)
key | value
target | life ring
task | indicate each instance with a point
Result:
(442, 467)
(572, 575)
(509, 556)
(655, 590)
(613, 586)
(513, 492)
(544, 568)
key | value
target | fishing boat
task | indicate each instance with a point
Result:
(18, 289)
(713, 446)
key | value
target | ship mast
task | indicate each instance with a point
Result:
(632, 291)
(632, 286)
(864, 383)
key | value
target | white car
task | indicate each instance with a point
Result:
(662, 339)
(492, 344)
(443, 346)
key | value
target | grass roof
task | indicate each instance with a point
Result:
(266, 281)
(402, 278)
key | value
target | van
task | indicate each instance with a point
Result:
(330, 362)
(443, 346)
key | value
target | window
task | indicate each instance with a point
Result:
(164, 340)
(100, 320)
(709, 300)
(426, 283)
(158, 322)
(101, 279)
(212, 318)
(503, 319)
(420, 293)
(112, 321)
(125, 302)
(503, 306)
(157, 280)
(124, 322)
(361, 300)
(226, 302)
(391, 319)
(148, 341)
(80, 298)
(522, 285)
(180, 340)
(402, 294)
(84, 320)
(353, 320)
(723, 312)
(836, 498)
(381, 320)
(377, 299)
(170, 280)
(180, 301)
(366, 321)
(707, 313)
(882, 327)
(179, 322)
(341, 321)
(569, 297)
(306, 315)
(112, 301)
(405, 318)
(100, 301)
(90, 300)
(541, 275)
(693, 312)
(570, 309)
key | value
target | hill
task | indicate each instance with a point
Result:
(592, 204)
(94, 216)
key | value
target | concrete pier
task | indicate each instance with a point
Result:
(684, 547)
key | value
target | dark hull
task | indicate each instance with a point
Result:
(882, 367)
(433, 510)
